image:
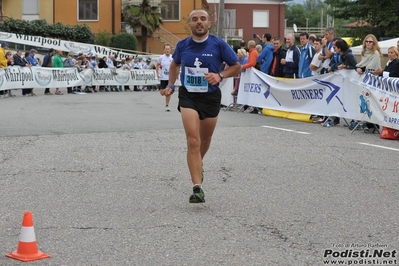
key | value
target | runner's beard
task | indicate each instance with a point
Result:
(200, 34)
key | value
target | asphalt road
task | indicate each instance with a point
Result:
(106, 180)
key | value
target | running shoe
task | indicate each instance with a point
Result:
(198, 195)
(167, 109)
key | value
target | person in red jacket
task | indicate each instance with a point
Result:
(253, 55)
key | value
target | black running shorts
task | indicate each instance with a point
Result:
(164, 83)
(207, 105)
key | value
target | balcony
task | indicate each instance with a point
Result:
(233, 34)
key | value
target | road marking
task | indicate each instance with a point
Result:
(378, 146)
(289, 130)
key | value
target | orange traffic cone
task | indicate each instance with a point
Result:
(27, 247)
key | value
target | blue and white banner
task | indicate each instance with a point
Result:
(344, 93)
(37, 77)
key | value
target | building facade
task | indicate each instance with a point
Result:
(27, 9)
(241, 19)
(99, 15)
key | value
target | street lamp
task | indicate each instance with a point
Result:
(307, 20)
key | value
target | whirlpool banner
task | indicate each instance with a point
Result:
(57, 44)
(37, 77)
(344, 94)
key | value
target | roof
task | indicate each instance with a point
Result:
(356, 24)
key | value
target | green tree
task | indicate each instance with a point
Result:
(313, 10)
(144, 16)
(78, 33)
(103, 38)
(381, 16)
(124, 41)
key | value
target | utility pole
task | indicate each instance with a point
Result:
(221, 19)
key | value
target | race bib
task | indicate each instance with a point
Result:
(194, 78)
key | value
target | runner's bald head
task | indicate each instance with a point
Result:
(197, 10)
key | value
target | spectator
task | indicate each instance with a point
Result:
(279, 52)
(149, 65)
(10, 62)
(25, 60)
(315, 65)
(70, 62)
(57, 63)
(266, 56)
(18, 61)
(93, 64)
(371, 55)
(127, 66)
(348, 59)
(242, 59)
(3, 61)
(102, 64)
(327, 49)
(111, 65)
(32, 58)
(291, 59)
(335, 59)
(252, 57)
(243, 45)
(392, 67)
(306, 56)
(258, 48)
(369, 62)
(47, 62)
(312, 38)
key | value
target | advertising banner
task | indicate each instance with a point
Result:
(17, 77)
(343, 93)
(58, 44)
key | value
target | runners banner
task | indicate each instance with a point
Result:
(57, 44)
(343, 93)
(17, 77)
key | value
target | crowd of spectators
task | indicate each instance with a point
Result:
(55, 58)
(316, 55)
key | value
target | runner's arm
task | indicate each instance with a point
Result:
(174, 71)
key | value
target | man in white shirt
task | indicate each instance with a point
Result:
(163, 66)
(315, 65)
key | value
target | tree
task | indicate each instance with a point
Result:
(381, 16)
(144, 16)
(103, 38)
(124, 41)
(312, 12)
(77, 33)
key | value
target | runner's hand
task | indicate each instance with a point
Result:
(167, 92)
(213, 78)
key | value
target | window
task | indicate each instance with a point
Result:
(170, 10)
(260, 18)
(30, 7)
(88, 9)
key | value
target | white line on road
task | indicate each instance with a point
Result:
(289, 130)
(378, 146)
